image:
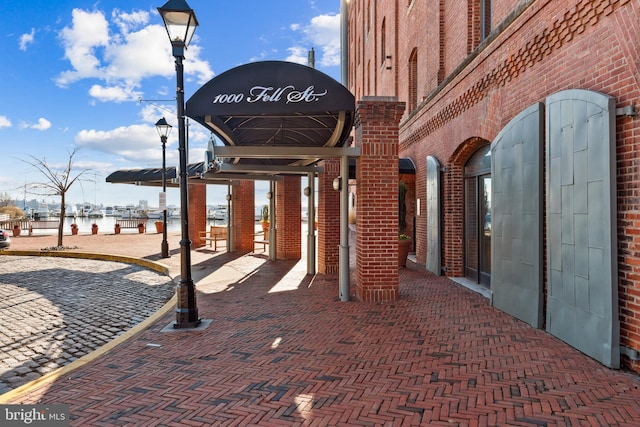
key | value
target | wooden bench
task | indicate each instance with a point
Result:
(132, 223)
(215, 233)
(43, 225)
(264, 241)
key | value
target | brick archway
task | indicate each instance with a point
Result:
(454, 206)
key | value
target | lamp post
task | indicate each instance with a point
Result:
(180, 22)
(164, 129)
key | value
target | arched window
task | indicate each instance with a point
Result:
(412, 103)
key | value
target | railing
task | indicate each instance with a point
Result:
(10, 223)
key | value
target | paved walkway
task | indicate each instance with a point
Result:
(56, 310)
(282, 350)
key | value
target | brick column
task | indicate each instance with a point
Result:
(243, 211)
(328, 219)
(197, 212)
(377, 122)
(289, 218)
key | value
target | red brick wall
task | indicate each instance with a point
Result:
(197, 212)
(377, 201)
(328, 218)
(289, 217)
(542, 47)
(243, 211)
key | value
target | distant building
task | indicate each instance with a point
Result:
(521, 119)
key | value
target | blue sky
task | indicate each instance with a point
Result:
(98, 75)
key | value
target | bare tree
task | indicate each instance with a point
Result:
(5, 199)
(58, 182)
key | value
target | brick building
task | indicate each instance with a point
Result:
(520, 117)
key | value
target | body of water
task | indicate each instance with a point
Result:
(106, 224)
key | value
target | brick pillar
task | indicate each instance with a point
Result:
(197, 213)
(377, 122)
(328, 218)
(289, 218)
(243, 211)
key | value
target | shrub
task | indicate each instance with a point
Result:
(13, 211)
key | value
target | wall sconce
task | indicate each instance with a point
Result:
(269, 195)
(337, 184)
(228, 197)
(307, 191)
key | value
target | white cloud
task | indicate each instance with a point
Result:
(151, 113)
(122, 53)
(89, 31)
(126, 21)
(4, 122)
(113, 93)
(137, 144)
(43, 124)
(298, 54)
(323, 34)
(140, 144)
(27, 39)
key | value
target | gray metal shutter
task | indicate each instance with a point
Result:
(433, 216)
(516, 217)
(582, 306)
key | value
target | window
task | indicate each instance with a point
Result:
(479, 28)
(412, 103)
(485, 18)
(383, 41)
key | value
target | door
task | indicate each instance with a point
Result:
(477, 217)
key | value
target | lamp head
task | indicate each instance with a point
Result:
(180, 21)
(163, 128)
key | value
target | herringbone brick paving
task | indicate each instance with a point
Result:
(439, 356)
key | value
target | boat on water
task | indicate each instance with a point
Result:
(41, 213)
(109, 211)
(70, 211)
(95, 213)
(155, 214)
(220, 213)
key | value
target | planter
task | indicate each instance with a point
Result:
(94, 229)
(265, 225)
(158, 226)
(74, 229)
(116, 228)
(140, 228)
(404, 246)
(16, 230)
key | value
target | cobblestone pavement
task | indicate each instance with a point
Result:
(282, 350)
(55, 310)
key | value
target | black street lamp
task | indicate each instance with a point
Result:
(164, 129)
(180, 22)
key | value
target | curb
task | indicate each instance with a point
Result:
(54, 375)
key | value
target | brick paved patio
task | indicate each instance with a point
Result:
(282, 350)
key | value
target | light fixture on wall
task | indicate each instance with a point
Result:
(307, 191)
(337, 183)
